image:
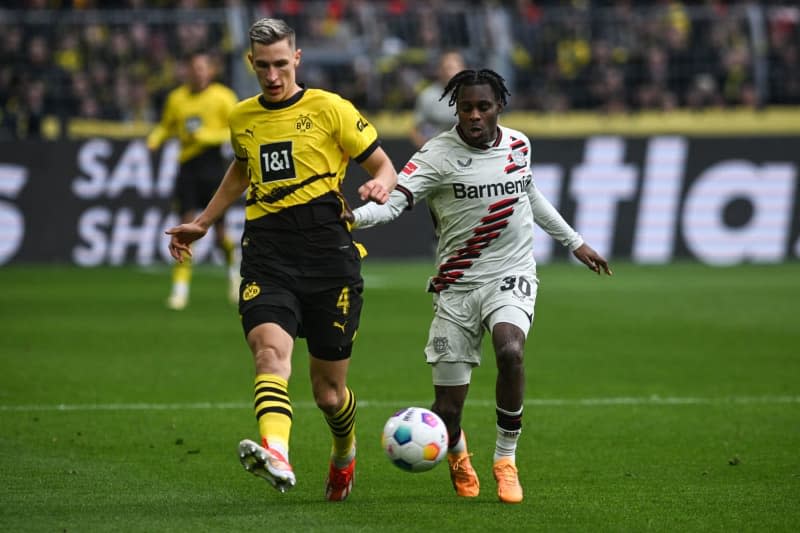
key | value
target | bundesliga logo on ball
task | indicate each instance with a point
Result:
(415, 439)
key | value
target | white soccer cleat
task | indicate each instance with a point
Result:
(268, 464)
(177, 302)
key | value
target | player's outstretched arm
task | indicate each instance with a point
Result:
(384, 177)
(233, 185)
(589, 257)
(373, 214)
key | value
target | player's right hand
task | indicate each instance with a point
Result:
(182, 236)
(375, 191)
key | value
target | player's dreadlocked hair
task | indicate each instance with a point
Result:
(476, 77)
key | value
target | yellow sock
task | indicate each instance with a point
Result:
(343, 429)
(182, 272)
(228, 249)
(273, 411)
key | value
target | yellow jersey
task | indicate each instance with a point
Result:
(297, 150)
(198, 119)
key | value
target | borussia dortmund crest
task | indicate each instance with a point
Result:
(251, 291)
(303, 123)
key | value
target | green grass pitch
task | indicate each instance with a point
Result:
(661, 399)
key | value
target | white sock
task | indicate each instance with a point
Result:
(180, 289)
(459, 446)
(505, 446)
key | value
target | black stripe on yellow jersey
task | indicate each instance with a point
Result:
(297, 150)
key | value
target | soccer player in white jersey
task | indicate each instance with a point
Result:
(477, 181)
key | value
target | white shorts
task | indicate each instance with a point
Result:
(461, 318)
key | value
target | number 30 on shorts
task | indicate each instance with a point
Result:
(520, 282)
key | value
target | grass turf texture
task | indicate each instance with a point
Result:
(662, 399)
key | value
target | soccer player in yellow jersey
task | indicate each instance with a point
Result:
(197, 114)
(300, 266)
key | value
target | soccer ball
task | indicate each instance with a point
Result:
(414, 439)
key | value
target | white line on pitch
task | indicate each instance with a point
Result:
(533, 402)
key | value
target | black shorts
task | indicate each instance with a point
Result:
(198, 180)
(325, 314)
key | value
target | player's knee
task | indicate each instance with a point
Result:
(328, 399)
(268, 360)
(509, 354)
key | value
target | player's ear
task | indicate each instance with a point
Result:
(250, 59)
(297, 54)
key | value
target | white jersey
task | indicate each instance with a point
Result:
(484, 203)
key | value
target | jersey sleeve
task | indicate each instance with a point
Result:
(415, 182)
(356, 136)
(166, 126)
(422, 174)
(550, 220)
(373, 214)
(239, 151)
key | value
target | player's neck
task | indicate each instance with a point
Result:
(198, 87)
(296, 89)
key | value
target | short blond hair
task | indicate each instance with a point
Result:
(270, 31)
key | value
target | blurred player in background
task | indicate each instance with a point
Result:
(197, 114)
(431, 115)
(301, 268)
(478, 184)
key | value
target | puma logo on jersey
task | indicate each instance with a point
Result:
(340, 325)
(464, 164)
(249, 132)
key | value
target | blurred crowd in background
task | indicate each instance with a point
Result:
(116, 60)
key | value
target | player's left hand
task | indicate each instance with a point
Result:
(375, 191)
(592, 259)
